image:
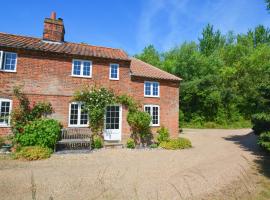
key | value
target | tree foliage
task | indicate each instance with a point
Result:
(267, 4)
(225, 77)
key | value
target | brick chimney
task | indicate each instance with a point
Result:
(54, 29)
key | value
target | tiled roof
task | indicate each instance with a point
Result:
(25, 42)
(142, 69)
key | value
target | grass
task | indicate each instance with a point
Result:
(232, 125)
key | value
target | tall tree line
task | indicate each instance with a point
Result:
(224, 76)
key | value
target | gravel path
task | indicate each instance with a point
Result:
(217, 159)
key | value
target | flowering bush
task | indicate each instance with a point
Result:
(95, 101)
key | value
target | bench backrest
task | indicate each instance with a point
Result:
(75, 133)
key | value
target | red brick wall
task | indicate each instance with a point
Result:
(48, 78)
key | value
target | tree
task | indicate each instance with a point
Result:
(150, 55)
(225, 77)
(267, 4)
(211, 40)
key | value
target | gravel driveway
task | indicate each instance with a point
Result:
(217, 159)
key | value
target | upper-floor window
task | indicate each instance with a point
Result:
(8, 61)
(151, 89)
(153, 110)
(114, 71)
(78, 117)
(5, 110)
(82, 68)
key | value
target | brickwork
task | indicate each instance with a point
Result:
(47, 77)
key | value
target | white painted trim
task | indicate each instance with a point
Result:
(2, 125)
(1, 59)
(78, 125)
(3, 62)
(51, 42)
(81, 68)
(151, 111)
(151, 89)
(110, 75)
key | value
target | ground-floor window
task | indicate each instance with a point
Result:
(153, 110)
(78, 117)
(5, 110)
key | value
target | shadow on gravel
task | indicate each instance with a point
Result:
(249, 143)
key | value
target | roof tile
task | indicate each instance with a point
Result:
(25, 42)
(142, 69)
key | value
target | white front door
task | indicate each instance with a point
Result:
(113, 118)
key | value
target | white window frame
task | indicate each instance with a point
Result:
(78, 125)
(110, 74)
(152, 89)
(10, 109)
(151, 111)
(3, 62)
(81, 69)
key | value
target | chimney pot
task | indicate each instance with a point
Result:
(53, 15)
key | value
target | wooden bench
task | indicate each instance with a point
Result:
(74, 138)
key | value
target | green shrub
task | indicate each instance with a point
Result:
(140, 125)
(97, 142)
(179, 143)
(130, 143)
(210, 125)
(33, 153)
(264, 140)
(261, 122)
(163, 134)
(42, 132)
(153, 146)
(24, 113)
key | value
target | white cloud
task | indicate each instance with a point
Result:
(182, 20)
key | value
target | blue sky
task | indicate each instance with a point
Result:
(133, 24)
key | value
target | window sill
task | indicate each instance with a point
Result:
(8, 71)
(155, 125)
(151, 96)
(77, 76)
(114, 79)
(5, 126)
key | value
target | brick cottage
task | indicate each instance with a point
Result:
(51, 69)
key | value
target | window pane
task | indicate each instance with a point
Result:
(147, 88)
(147, 109)
(74, 110)
(155, 115)
(84, 116)
(155, 89)
(86, 68)
(114, 71)
(76, 67)
(9, 61)
(4, 112)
